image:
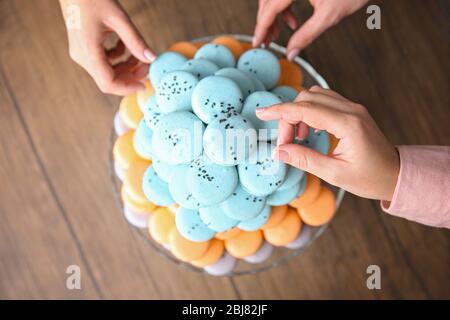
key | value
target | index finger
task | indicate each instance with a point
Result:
(315, 115)
(266, 17)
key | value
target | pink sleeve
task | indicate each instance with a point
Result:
(422, 193)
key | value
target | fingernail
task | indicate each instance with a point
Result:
(293, 53)
(261, 110)
(281, 155)
(254, 41)
(292, 25)
(279, 142)
(149, 55)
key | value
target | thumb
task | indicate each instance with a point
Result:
(308, 160)
(308, 32)
(133, 40)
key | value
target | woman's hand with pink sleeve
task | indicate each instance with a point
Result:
(364, 162)
(97, 20)
(326, 14)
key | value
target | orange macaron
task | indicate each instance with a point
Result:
(246, 46)
(244, 244)
(320, 211)
(212, 255)
(143, 96)
(133, 180)
(184, 249)
(199, 44)
(130, 112)
(186, 48)
(278, 214)
(224, 235)
(138, 207)
(231, 43)
(297, 87)
(161, 224)
(333, 143)
(291, 74)
(286, 231)
(311, 193)
(123, 150)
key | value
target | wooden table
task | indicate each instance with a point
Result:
(56, 203)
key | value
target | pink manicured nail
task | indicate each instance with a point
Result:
(254, 41)
(149, 55)
(260, 110)
(281, 155)
(292, 24)
(292, 54)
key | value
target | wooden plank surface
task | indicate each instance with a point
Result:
(37, 244)
(58, 208)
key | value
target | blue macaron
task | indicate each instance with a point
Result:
(319, 141)
(259, 86)
(261, 174)
(211, 183)
(174, 91)
(179, 190)
(177, 137)
(303, 185)
(152, 113)
(258, 221)
(241, 205)
(282, 197)
(201, 68)
(268, 130)
(155, 189)
(143, 140)
(163, 169)
(293, 176)
(216, 95)
(285, 93)
(229, 139)
(216, 53)
(165, 63)
(191, 226)
(262, 64)
(215, 219)
(242, 79)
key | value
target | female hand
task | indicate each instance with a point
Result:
(326, 14)
(100, 18)
(364, 162)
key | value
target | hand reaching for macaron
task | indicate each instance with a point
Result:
(97, 20)
(326, 14)
(364, 162)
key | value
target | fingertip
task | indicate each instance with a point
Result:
(149, 55)
(260, 112)
(127, 88)
(135, 87)
(302, 131)
(254, 41)
(258, 38)
(293, 53)
(280, 154)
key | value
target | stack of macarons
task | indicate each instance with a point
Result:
(196, 163)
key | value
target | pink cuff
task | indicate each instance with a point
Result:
(422, 193)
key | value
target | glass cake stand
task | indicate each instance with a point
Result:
(280, 255)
